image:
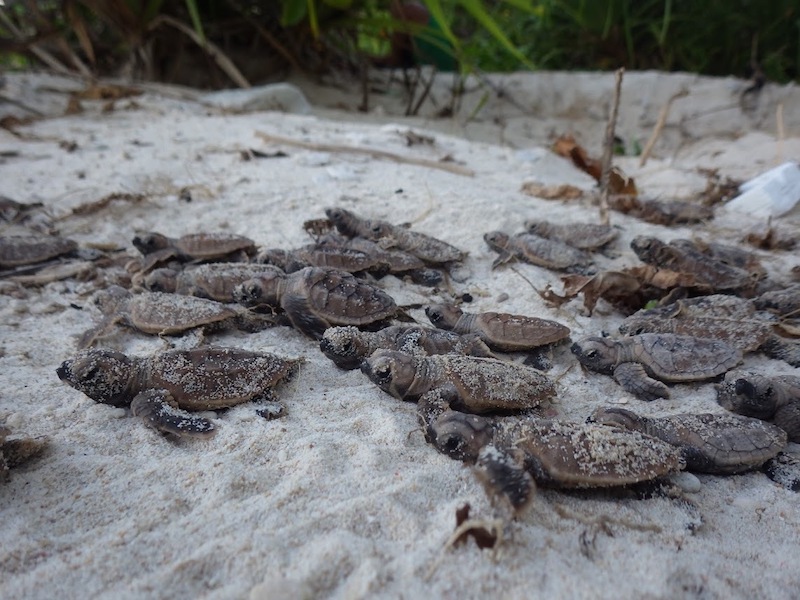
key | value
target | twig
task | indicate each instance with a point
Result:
(662, 120)
(216, 54)
(425, 91)
(608, 147)
(420, 162)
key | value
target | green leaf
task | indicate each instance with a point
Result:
(293, 12)
(475, 8)
(194, 13)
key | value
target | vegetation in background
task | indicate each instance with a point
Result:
(189, 41)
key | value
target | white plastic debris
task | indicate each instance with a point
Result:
(771, 194)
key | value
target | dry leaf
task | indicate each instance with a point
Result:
(483, 537)
(563, 191)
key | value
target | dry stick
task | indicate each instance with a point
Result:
(662, 120)
(608, 148)
(216, 54)
(43, 56)
(420, 162)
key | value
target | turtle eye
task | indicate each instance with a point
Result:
(347, 347)
(435, 316)
(453, 446)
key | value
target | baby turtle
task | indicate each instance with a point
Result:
(513, 454)
(775, 399)
(784, 302)
(536, 250)
(710, 443)
(214, 281)
(347, 347)
(685, 258)
(158, 248)
(16, 451)
(161, 387)
(20, 250)
(428, 248)
(316, 298)
(342, 258)
(157, 313)
(640, 363)
(500, 331)
(584, 236)
(466, 382)
(722, 317)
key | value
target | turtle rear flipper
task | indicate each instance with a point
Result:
(634, 379)
(782, 349)
(159, 411)
(504, 479)
(102, 329)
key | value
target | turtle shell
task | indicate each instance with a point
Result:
(537, 250)
(584, 236)
(18, 250)
(166, 314)
(679, 357)
(316, 298)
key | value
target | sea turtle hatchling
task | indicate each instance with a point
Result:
(16, 450)
(640, 363)
(513, 454)
(316, 298)
(347, 347)
(771, 398)
(722, 317)
(536, 250)
(710, 443)
(428, 248)
(684, 257)
(214, 281)
(500, 331)
(158, 248)
(465, 382)
(160, 388)
(158, 313)
(584, 236)
(21, 250)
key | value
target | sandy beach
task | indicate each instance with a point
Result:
(342, 497)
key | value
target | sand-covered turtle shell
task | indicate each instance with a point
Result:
(19, 250)
(348, 346)
(584, 236)
(470, 383)
(194, 246)
(214, 281)
(500, 331)
(710, 442)
(536, 250)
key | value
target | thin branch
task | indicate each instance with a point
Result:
(216, 54)
(608, 147)
(662, 120)
(42, 55)
(381, 154)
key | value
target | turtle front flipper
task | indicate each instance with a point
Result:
(782, 349)
(302, 318)
(430, 407)
(159, 411)
(504, 479)
(634, 379)
(102, 329)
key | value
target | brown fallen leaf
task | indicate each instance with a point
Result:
(106, 92)
(568, 147)
(562, 191)
(465, 527)
(660, 212)
(769, 237)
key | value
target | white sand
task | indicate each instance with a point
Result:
(342, 497)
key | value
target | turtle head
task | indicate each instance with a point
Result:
(496, 240)
(459, 435)
(345, 222)
(615, 417)
(344, 346)
(443, 316)
(112, 299)
(596, 353)
(161, 280)
(748, 394)
(265, 290)
(103, 375)
(393, 371)
(149, 242)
